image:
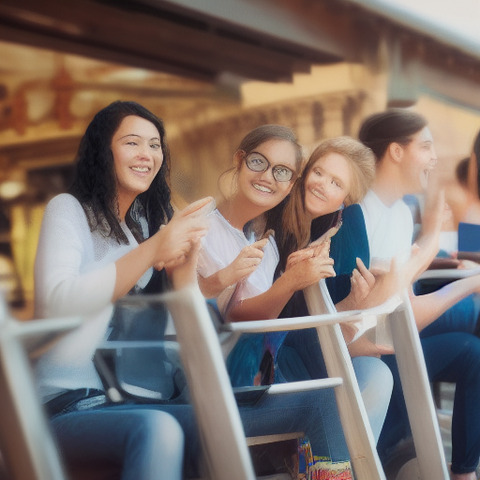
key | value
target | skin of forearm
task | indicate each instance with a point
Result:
(427, 308)
(265, 306)
(345, 305)
(213, 285)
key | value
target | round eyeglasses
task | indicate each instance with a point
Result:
(258, 163)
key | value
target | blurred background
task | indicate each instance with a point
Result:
(212, 70)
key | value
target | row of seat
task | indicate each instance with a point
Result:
(30, 452)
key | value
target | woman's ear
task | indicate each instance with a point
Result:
(396, 151)
(238, 159)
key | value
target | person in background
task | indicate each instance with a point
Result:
(405, 157)
(463, 195)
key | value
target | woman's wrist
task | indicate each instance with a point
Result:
(286, 284)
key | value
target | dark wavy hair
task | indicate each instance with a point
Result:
(94, 183)
(395, 125)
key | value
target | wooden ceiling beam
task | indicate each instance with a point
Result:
(103, 31)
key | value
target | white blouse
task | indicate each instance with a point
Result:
(221, 246)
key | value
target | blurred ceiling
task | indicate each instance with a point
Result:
(62, 60)
(160, 36)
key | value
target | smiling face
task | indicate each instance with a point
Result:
(260, 189)
(418, 160)
(327, 184)
(137, 158)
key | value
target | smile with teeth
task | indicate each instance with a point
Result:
(262, 188)
(141, 169)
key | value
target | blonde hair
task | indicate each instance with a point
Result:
(295, 224)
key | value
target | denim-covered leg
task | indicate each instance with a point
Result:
(452, 357)
(312, 412)
(455, 357)
(144, 444)
(301, 358)
(462, 317)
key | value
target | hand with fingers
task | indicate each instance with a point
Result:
(317, 249)
(373, 287)
(175, 239)
(309, 266)
(246, 262)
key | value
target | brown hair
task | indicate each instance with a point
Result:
(395, 125)
(258, 136)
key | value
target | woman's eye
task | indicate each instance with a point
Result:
(155, 146)
(132, 143)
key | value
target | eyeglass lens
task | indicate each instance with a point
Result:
(258, 163)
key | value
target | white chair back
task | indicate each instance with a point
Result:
(27, 446)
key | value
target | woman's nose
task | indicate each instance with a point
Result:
(268, 175)
(145, 151)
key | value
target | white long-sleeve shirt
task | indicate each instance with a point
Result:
(75, 274)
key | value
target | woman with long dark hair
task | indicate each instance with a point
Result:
(115, 233)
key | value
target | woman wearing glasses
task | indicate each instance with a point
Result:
(237, 267)
(266, 164)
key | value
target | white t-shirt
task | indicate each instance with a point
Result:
(389, 229)
(75, 275)
(221, 246)
(390, 234)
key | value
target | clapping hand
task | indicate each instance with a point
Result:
(245, 263)
(309, 265)
(184, 230)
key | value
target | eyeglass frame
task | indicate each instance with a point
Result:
(269, 165)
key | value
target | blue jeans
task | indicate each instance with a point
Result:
(147, 442)
(450, 357)
(273, 414)
(462, 317)
(300, 358)
(136, 444)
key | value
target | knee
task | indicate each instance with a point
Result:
(375, 380)
(158, 429)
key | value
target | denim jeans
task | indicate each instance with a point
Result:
(300, 358)
(462, 317)
(136, 444)
(450, 357)
(144, 442)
